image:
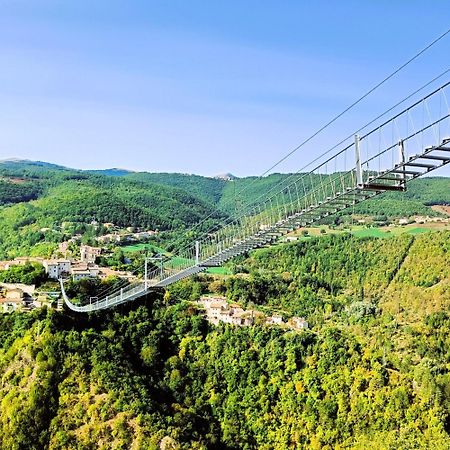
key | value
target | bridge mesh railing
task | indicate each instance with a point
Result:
(303, 197)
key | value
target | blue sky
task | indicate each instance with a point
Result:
(201, 86)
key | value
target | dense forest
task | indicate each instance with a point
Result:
(371, 373)
(16, 191)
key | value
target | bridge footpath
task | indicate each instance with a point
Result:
(411, 144)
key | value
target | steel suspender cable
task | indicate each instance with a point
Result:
(338, 116)
(334, 119)
(283, 182)
(359, 100)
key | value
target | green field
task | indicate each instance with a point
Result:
(363, 231)
(140, 247)
(219, 271)
(418, 230)
(385, 233)
(178, 263)
(371, 232)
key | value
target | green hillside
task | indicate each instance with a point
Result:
(207, 189)
(17, 191)
(232, 196)
(36, 198)
(59, 195)
(371, 373)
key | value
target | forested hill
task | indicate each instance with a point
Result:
(371, 373)
(25, 180)
(38, 200)
(207, 189)
(235, 194)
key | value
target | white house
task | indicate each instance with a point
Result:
(56, 268)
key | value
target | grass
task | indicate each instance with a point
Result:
(418, 230)
(140, 247)
(371, 232)
(219, 271)
(393, 231)
(177, 262)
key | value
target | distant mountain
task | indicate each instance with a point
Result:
(113, 172)
(17, 162)
(226, 177)
(217, 191)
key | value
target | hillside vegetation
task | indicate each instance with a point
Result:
(48, 197)
(37, 198)
(208, 189)
(226, 195)
(372, 373)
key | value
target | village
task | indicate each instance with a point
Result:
(218, 310)
(18, 296)
(84, 267)
(22, 297)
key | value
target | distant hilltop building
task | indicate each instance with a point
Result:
(226, 177)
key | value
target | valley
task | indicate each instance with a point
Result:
(224, 225)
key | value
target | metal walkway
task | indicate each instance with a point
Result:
(385, 159)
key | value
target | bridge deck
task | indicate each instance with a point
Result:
(394, 179)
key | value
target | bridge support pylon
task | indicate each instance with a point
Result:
(358, 166)
(197, 253)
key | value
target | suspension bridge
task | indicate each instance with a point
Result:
(412, 143)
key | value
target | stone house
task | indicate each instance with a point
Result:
(85, 270)
(89, 254)
(275, 319)
(56, 268)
